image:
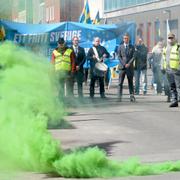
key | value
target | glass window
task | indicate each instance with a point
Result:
(105, 5)
(114, 4)
(120, 4)
(21, 5)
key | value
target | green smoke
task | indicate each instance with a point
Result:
(28, 101)
(94, 163)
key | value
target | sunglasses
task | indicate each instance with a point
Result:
(170, 38)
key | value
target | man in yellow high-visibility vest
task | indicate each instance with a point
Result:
(63, 59)
(171, 64)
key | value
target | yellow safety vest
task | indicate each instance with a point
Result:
(62, 61)
(174, 62)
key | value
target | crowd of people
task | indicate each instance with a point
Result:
(164, 61)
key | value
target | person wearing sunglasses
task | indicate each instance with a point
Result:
(171, 64)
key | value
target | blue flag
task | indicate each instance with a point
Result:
(85, 15)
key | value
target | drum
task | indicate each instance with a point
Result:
(100, 69)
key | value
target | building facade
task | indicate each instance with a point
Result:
(46, 11)
(5, 9)
(95, 6)
(71, 10)
(150, 17)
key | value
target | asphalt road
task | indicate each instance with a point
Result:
(147, 129)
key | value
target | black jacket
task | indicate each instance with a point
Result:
(80, 58)
(100, 50)
(140, 57)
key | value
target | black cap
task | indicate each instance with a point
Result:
(61, 40)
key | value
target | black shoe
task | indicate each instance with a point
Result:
(132, 98)
(103, 96)
(174, 104)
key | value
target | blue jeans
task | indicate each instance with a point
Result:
(140, 75)
(157, 78)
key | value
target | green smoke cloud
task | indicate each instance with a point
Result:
(94, 163)
(28, 101)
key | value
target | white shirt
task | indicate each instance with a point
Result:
(126, 45)
(75, 49)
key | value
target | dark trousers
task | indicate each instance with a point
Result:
(172, 83)
(86, 72)
(130, 82)
(158, 78)
(101, 85)
(107, 77)
(166, 85)
(79, 77)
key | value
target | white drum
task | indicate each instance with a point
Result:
(100, 69)
(101, 66)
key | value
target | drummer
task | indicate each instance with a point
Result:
(97, 53)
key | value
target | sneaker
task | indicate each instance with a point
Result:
(107, 87)
(132, 98)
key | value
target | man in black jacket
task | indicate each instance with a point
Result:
(126, 58)
(80, 58)
(97, 53)
(140, 66)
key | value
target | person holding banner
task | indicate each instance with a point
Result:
(64, 64)
(96, 55)
(126, 53)
(80, 58)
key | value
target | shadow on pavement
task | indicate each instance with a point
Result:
(106, 146)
